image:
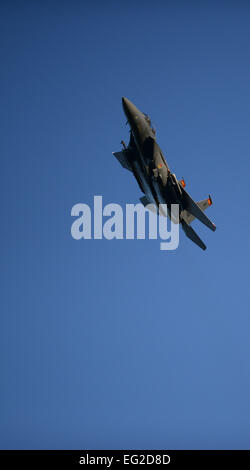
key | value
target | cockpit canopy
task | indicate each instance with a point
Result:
(148, 120)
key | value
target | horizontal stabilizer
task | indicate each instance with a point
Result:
(194, 209)
(203, 205)
(123, 158)
(189, 231)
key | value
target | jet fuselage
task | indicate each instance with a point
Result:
(149, 164)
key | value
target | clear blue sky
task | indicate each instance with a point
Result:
(115, 344)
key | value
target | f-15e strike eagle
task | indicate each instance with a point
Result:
(144, 158)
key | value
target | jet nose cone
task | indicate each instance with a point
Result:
(125, 103)
(129, 108)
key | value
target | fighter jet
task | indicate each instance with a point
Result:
(144, 158)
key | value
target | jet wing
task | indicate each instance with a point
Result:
(147, 203)
(123, 158)
(195, 210)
